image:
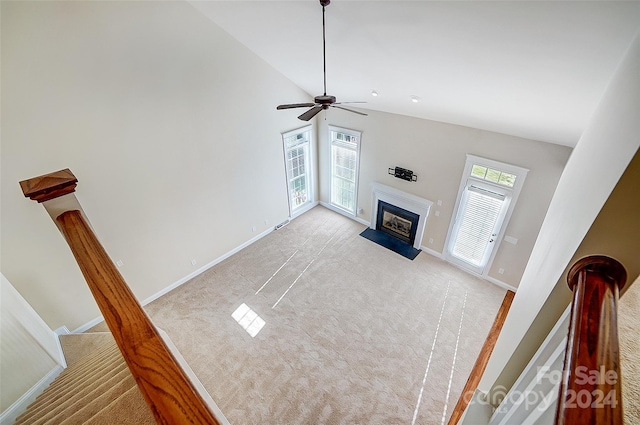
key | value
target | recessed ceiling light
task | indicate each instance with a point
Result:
(415, 99)
(374, 93)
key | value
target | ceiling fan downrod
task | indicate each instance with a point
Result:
(324, 48)
(324, 101)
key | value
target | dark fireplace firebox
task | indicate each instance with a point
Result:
(397, 222)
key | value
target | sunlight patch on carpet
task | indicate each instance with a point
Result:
(248, 319)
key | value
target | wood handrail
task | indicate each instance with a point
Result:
(591, 390)
(170, 394)
(482, 360)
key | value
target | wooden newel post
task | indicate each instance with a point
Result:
(171, 396)
(590, 391)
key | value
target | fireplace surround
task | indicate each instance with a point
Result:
(412, 204)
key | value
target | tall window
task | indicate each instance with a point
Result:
(345, 154)
(487, 195)
(297, 147)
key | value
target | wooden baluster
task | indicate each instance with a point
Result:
(170, 394)
(590, 391)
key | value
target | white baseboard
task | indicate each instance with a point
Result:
(432, 252)
(304, 209)
(500, 283)
(185, 279)
(205, 267)
(88, 325)
(344, 213)
(10, 415)
(487, 278)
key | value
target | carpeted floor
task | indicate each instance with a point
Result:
(629, 327)
(353, 334)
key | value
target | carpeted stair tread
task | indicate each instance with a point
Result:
(78, 376)
(71, 379)
(78, 372)
(91, 389)
(76, 394)
(77, 346)
(99, 356)
(101, 400)
(129, 408)
(81, 399)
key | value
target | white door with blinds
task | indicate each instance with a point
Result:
(486, 197)
(480, 217)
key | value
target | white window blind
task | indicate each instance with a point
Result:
(480, 213)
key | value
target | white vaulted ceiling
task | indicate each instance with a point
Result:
(530, 69)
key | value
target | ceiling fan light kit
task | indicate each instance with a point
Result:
(324, 101)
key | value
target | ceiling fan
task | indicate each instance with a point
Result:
(325, 101)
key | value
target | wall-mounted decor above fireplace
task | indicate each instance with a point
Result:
(404, 174)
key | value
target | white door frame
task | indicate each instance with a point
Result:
(513, 192)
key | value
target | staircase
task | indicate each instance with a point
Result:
(96, 388)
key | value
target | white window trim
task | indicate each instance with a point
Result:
(310, 170)
(521, 174)
(357, 134)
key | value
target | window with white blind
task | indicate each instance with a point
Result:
(345, 154)
(487, 195)
(297, 152)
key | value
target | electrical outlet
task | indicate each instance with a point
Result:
(431, 240)
(253, 229)
(193, 262)
(359, 210)
(511, 239)
(439, 202)
(501, 271)
(437, 213)
(119, 263)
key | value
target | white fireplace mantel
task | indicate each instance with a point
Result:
(407, 201)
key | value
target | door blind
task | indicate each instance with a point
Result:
(477, 223)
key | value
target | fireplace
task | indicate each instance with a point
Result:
(410, 212)
(397, 222)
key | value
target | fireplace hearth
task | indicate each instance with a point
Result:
(398, 220)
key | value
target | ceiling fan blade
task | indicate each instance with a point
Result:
(310, 113)
(350, 110)
(296, 105)
(344, 103)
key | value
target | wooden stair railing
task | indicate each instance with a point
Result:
(590, 390)
(482, 360)
(170, 394)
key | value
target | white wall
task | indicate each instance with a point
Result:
(170, 126)
(436, 152)
(28, 348)
(596, 164)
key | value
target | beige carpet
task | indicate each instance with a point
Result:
(354, 333)
(77, 346)
(629, 326)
